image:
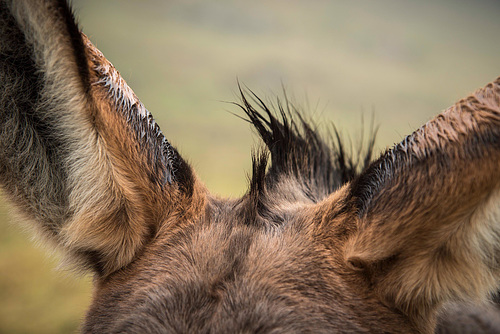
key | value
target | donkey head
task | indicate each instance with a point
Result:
(312, 247)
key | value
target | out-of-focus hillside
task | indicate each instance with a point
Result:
(405, 60)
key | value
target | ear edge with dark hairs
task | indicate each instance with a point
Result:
(431, 205)
(83, 167)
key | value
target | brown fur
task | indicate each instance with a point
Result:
(439, 227)
(321, 243)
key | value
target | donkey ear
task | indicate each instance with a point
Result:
(428, 211)
(80, 156)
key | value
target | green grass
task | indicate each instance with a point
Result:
(35, 297)
(406, 60)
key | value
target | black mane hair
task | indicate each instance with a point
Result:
(321, 164)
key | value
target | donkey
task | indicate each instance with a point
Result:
(314, 246)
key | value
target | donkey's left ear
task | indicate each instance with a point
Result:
(428, 211)
(80, 156)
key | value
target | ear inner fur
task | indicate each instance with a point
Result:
(115, 173)
(315, 245)
(435, 192)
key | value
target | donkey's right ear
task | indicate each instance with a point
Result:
(428, 211)
(80, 156)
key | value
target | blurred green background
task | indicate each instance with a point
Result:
(405, 60)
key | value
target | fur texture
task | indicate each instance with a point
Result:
(321, 243)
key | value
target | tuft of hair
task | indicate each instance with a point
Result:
(319, 163)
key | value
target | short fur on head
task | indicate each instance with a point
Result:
(321, 242)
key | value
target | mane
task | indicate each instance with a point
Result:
(320, 163)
